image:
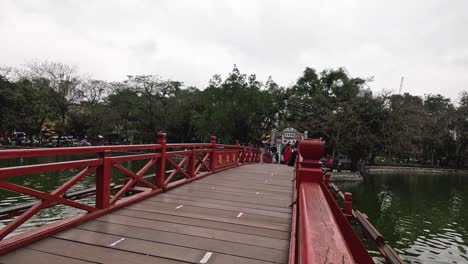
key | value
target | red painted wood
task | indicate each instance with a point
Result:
(229, 155)
(161, 164)
(178, 168)
(35, 169)
(25, 153)
(120, 159)
(103, 181)
(43, 196)
(324, 235)
(319, 234)
(213, 154)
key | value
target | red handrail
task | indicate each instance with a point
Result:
(194, 161)
(322, 232)
(318, 220)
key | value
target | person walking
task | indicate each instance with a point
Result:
(287, 154)
(328, 162)
(274, 153)
(262, 144)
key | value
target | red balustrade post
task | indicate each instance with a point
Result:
(191, 162)
(237, 152)
(161, 164)
(249, 155)
(308, 171)
(257, 154)
(348, 204)
(309, 168)
(103, 178)
(213, 154)
(327, 179)
(243, 154)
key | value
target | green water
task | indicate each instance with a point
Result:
(424, 217)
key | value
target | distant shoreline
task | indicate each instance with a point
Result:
(422, 170)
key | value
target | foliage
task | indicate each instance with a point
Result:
(329, 104)
(236, 108)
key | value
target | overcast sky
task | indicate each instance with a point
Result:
(424, 41)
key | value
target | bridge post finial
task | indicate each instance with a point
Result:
(309, 169)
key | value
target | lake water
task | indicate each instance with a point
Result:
(424, 217)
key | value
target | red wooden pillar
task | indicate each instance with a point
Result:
(237, 153)
(191, 162)
(348, 204)
(213, 154)
(103, 178)
(161, 164)
(309, 169)
(257, 154)
(242, 155)
(327, 179)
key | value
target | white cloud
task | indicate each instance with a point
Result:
(425, 41)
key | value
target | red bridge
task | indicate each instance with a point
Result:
(214, 205)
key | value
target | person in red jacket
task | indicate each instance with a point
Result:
(287, 154)
(328, 162)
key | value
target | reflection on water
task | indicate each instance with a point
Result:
(424, 217)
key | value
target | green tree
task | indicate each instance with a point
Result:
(236, 108)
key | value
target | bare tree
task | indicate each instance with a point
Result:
(63, 80)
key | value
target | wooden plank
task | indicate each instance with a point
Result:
(234, 198)
(282, 180)
(26, 255)
(176, 202)
(241, 215)
(223, 202)
(234, 191)
(94, 253)
(261, 185)
(248, 239)
(324, 238)
(217, 215)
(206, 244)
(258, 180)
(239, 190)
(146, 247)
(242, 229)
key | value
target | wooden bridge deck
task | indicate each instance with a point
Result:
(241, 215)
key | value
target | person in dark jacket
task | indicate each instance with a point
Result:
(274, 153)
(292, 160)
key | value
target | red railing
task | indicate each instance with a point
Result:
(190, 161)
(369, 231)
(313, 202)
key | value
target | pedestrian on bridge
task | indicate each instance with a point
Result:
(274, 154)
(262, 144)
(287, 154)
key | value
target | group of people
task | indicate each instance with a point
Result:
(288, 153)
